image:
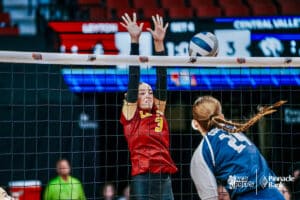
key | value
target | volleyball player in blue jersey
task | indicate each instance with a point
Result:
(226, 155)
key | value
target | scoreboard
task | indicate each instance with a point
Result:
(252, 36)
(97, 37)
(255, 36)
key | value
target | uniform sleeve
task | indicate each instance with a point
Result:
(202, 175)
(123, 119)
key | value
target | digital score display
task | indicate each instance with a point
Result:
(252, 36)
(98, 38)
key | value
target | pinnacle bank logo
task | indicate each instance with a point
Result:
(274, 181)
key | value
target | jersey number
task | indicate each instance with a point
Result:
(159, 124)
(233, 140)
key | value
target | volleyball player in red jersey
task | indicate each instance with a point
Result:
(145, 126)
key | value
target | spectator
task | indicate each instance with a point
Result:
(285, 191)
(222, 193)
(108, 191)
(64, 186)
(295, 171)
(126, 193)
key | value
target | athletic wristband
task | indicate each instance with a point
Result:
(134, 49)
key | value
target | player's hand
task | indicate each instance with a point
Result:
(132, 27)
(159, 31)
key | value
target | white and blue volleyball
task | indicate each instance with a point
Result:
(204, 44)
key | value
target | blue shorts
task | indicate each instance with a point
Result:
(265, 194)
(151, 187)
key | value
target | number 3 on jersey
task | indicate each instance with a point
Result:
(233, 139)
(159, 126)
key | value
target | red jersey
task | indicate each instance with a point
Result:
(147, 135)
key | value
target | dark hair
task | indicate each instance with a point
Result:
(61, 160)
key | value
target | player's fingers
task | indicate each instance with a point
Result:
(141, 26)
(150, 30)
(166, 26)
(154, 20)
(124, 25)
(161, 20)
(157, 19)
(134, 17)
(128, 18)
(124, 19)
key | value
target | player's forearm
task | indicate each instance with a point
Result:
(134, 77)
(161, 80)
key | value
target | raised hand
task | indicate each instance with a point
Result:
(133, 29)
(159, 31)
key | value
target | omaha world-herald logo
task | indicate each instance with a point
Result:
(235, 182)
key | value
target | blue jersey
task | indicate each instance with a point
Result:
(231, 159)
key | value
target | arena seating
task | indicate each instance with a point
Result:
(208, 11)
(236, 10)
(113, 9)
(5, 25)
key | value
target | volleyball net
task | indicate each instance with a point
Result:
(56, 106)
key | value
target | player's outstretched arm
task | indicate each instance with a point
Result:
(158, 35)
(134, 30)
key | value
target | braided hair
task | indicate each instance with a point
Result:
(207, 111)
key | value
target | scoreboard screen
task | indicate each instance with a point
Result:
(252, 36)
(97, 37)
(255, 36)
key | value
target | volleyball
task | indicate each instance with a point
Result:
(204, 44)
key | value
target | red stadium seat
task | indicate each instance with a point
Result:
(197, 3)
(172, 3)
(290, 8)
(149, 12)
(208, 11)
(9, 31)
(117, 4)
(264, 9)
(181, 13)
(88, 2)
(5, 18)
(121, 11)
(254, 2)
(97, 13)
(142, 4)
(225, 3)
(236, 11)
(281, 2)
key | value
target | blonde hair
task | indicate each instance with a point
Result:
(207, 111)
